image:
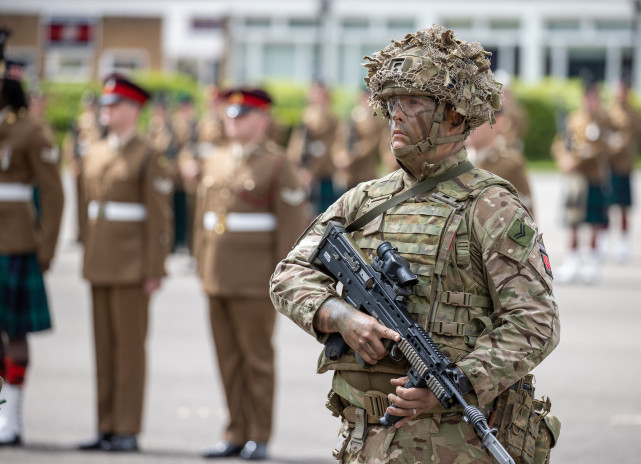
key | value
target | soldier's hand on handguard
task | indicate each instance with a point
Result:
(360, 331)
(409, 402)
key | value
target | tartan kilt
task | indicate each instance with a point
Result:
(23, 298)
(620, 191)
(596, 207)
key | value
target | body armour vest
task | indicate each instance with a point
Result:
(431, 231)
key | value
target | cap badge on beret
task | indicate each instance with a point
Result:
(110, 85)
(236, 98)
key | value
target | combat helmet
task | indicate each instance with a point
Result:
(434, 63)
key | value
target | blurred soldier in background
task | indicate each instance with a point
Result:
(185, 126)
(488, 149)
(250, 210)
(582, 155)
(625, 130)
(163, 139)
(27, 244)
(84, 131)
(514, 118)
(128, 236)
(310, 147)
(160, 133)
(211, 135)
(357, 146)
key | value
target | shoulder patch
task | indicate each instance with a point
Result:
(50, 155)
(521, 233)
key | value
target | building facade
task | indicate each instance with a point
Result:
(301, 40)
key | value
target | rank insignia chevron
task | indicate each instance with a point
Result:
(521, 233)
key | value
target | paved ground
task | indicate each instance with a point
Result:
(592, 377)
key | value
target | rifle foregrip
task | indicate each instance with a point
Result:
(388, 419)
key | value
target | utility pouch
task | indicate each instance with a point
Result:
(518, 419)
(334, 403)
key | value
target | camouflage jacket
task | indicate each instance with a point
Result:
(485, 296)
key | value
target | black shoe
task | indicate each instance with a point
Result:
(15, 441)
(96, 443)
(123, 443)
(222, 449)
(254, 451)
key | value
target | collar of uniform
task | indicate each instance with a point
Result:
(437, 169)
(4, 113)
(116, 143)
(242, 152)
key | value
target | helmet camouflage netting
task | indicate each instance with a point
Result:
(434, 63)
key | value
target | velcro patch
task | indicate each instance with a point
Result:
(546, 260)
(521, 233)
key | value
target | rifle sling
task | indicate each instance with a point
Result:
(421, 187)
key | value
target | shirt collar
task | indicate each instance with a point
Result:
(4, 113)
(117, 142)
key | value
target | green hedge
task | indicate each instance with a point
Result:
(545, 103)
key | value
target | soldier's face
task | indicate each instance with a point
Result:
(411, 119)
(120, 116)
(250, 127)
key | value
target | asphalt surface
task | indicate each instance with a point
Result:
(592, 377)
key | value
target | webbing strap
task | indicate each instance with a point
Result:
(421, 187)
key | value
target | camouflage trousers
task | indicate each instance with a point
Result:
(441, 438)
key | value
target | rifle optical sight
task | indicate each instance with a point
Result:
(394, 266)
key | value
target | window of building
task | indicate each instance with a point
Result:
(303, 23)
(257, 23)
(207, 24)
(279, 60)
(355, 24)
(457, 23)
(400, 27)
(124, 61)
(505, 24)
(612, 25)
(563, 24)
(68, 65)
(587, 64)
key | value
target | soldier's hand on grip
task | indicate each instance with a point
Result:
(361, 332)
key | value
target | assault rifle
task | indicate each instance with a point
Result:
(381, 289)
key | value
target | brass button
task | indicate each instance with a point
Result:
(225, 193)
(249, 184)
(219, 228)
(208, 181)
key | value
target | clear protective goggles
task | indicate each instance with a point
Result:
(410, 105)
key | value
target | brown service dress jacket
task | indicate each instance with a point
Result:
(508, 163)
(28, 156)
(262, 180)
(625, 128)
(360, 139)
(120, 252)
(584, 148)
(310, 145)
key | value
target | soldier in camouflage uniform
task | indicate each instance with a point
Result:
(485, 285)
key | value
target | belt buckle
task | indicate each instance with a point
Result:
(101, 210)
(221, 225)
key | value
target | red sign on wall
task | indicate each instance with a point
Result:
(70, 33)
